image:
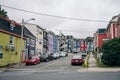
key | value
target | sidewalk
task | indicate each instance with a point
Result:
(92, 61)
(17, 66)
(93, 66)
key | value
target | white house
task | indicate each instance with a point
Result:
(37, 31)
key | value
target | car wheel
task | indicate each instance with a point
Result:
(35, 63)
(72, 64)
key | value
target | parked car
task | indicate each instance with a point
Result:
(33, 60)
(63, 54)
(50, 56)
(77, 59)
(46, 57)
(84, 53)
(56, 55)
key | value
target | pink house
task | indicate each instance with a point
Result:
(113, 29)
(118, 26)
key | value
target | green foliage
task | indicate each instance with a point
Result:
(111, 52)
(3, 13)
(89, 39)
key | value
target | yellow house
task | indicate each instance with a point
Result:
(11, 43)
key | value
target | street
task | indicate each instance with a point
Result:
(59, 69)
(63, 63)
(59, 75)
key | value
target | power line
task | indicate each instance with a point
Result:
(53, 15)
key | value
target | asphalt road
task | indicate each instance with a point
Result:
(63, 63)
(58, 75)
(59, 69)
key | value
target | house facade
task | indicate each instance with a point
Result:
(11, 43)
(55, 44)
(99, 37)
(113, 28)
(69, 41)
(76, 45)
(62, 42)
(45, 41)
(50, 42)
(118, 27)
(29, 44)
(37, 31)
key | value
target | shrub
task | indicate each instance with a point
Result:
(111, 52)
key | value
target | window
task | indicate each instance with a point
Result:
(11, 40)
(28, 40)
(40, 41)
(40, 32)
(45, 42)
(32, 42)
(32, 52)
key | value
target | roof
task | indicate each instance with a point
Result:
(101, 30)
(8, 20)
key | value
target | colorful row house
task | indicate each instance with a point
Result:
(50, 42)
(113, 28)
(37, 31)
(11, 43)
(30, 45)
(112, 31)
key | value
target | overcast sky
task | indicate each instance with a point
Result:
(81, 9)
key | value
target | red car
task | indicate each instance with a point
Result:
(33, 60)
(77, 59)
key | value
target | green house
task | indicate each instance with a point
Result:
(11, 43)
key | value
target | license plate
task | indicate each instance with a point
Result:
(76, 60)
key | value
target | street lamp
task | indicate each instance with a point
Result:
(23, 23)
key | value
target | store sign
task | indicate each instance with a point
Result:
(12, 25)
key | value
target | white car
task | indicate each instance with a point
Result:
(56, 55)
(63, 54)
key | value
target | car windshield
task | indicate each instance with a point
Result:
(76, 57)
(59, 39)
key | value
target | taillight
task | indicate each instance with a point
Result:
(81, 60)
(72, 60)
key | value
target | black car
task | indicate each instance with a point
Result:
(46, 57)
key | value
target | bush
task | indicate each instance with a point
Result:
(111, 52)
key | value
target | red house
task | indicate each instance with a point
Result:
(83, 46)
(99, 37)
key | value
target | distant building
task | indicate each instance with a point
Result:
(83, 45)
(76, 45)
(62, 42)
(69, 41)
(55, 43)
(50, 42)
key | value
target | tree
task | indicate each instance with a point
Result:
(3, 13)
(111, 52)
(89, 39)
